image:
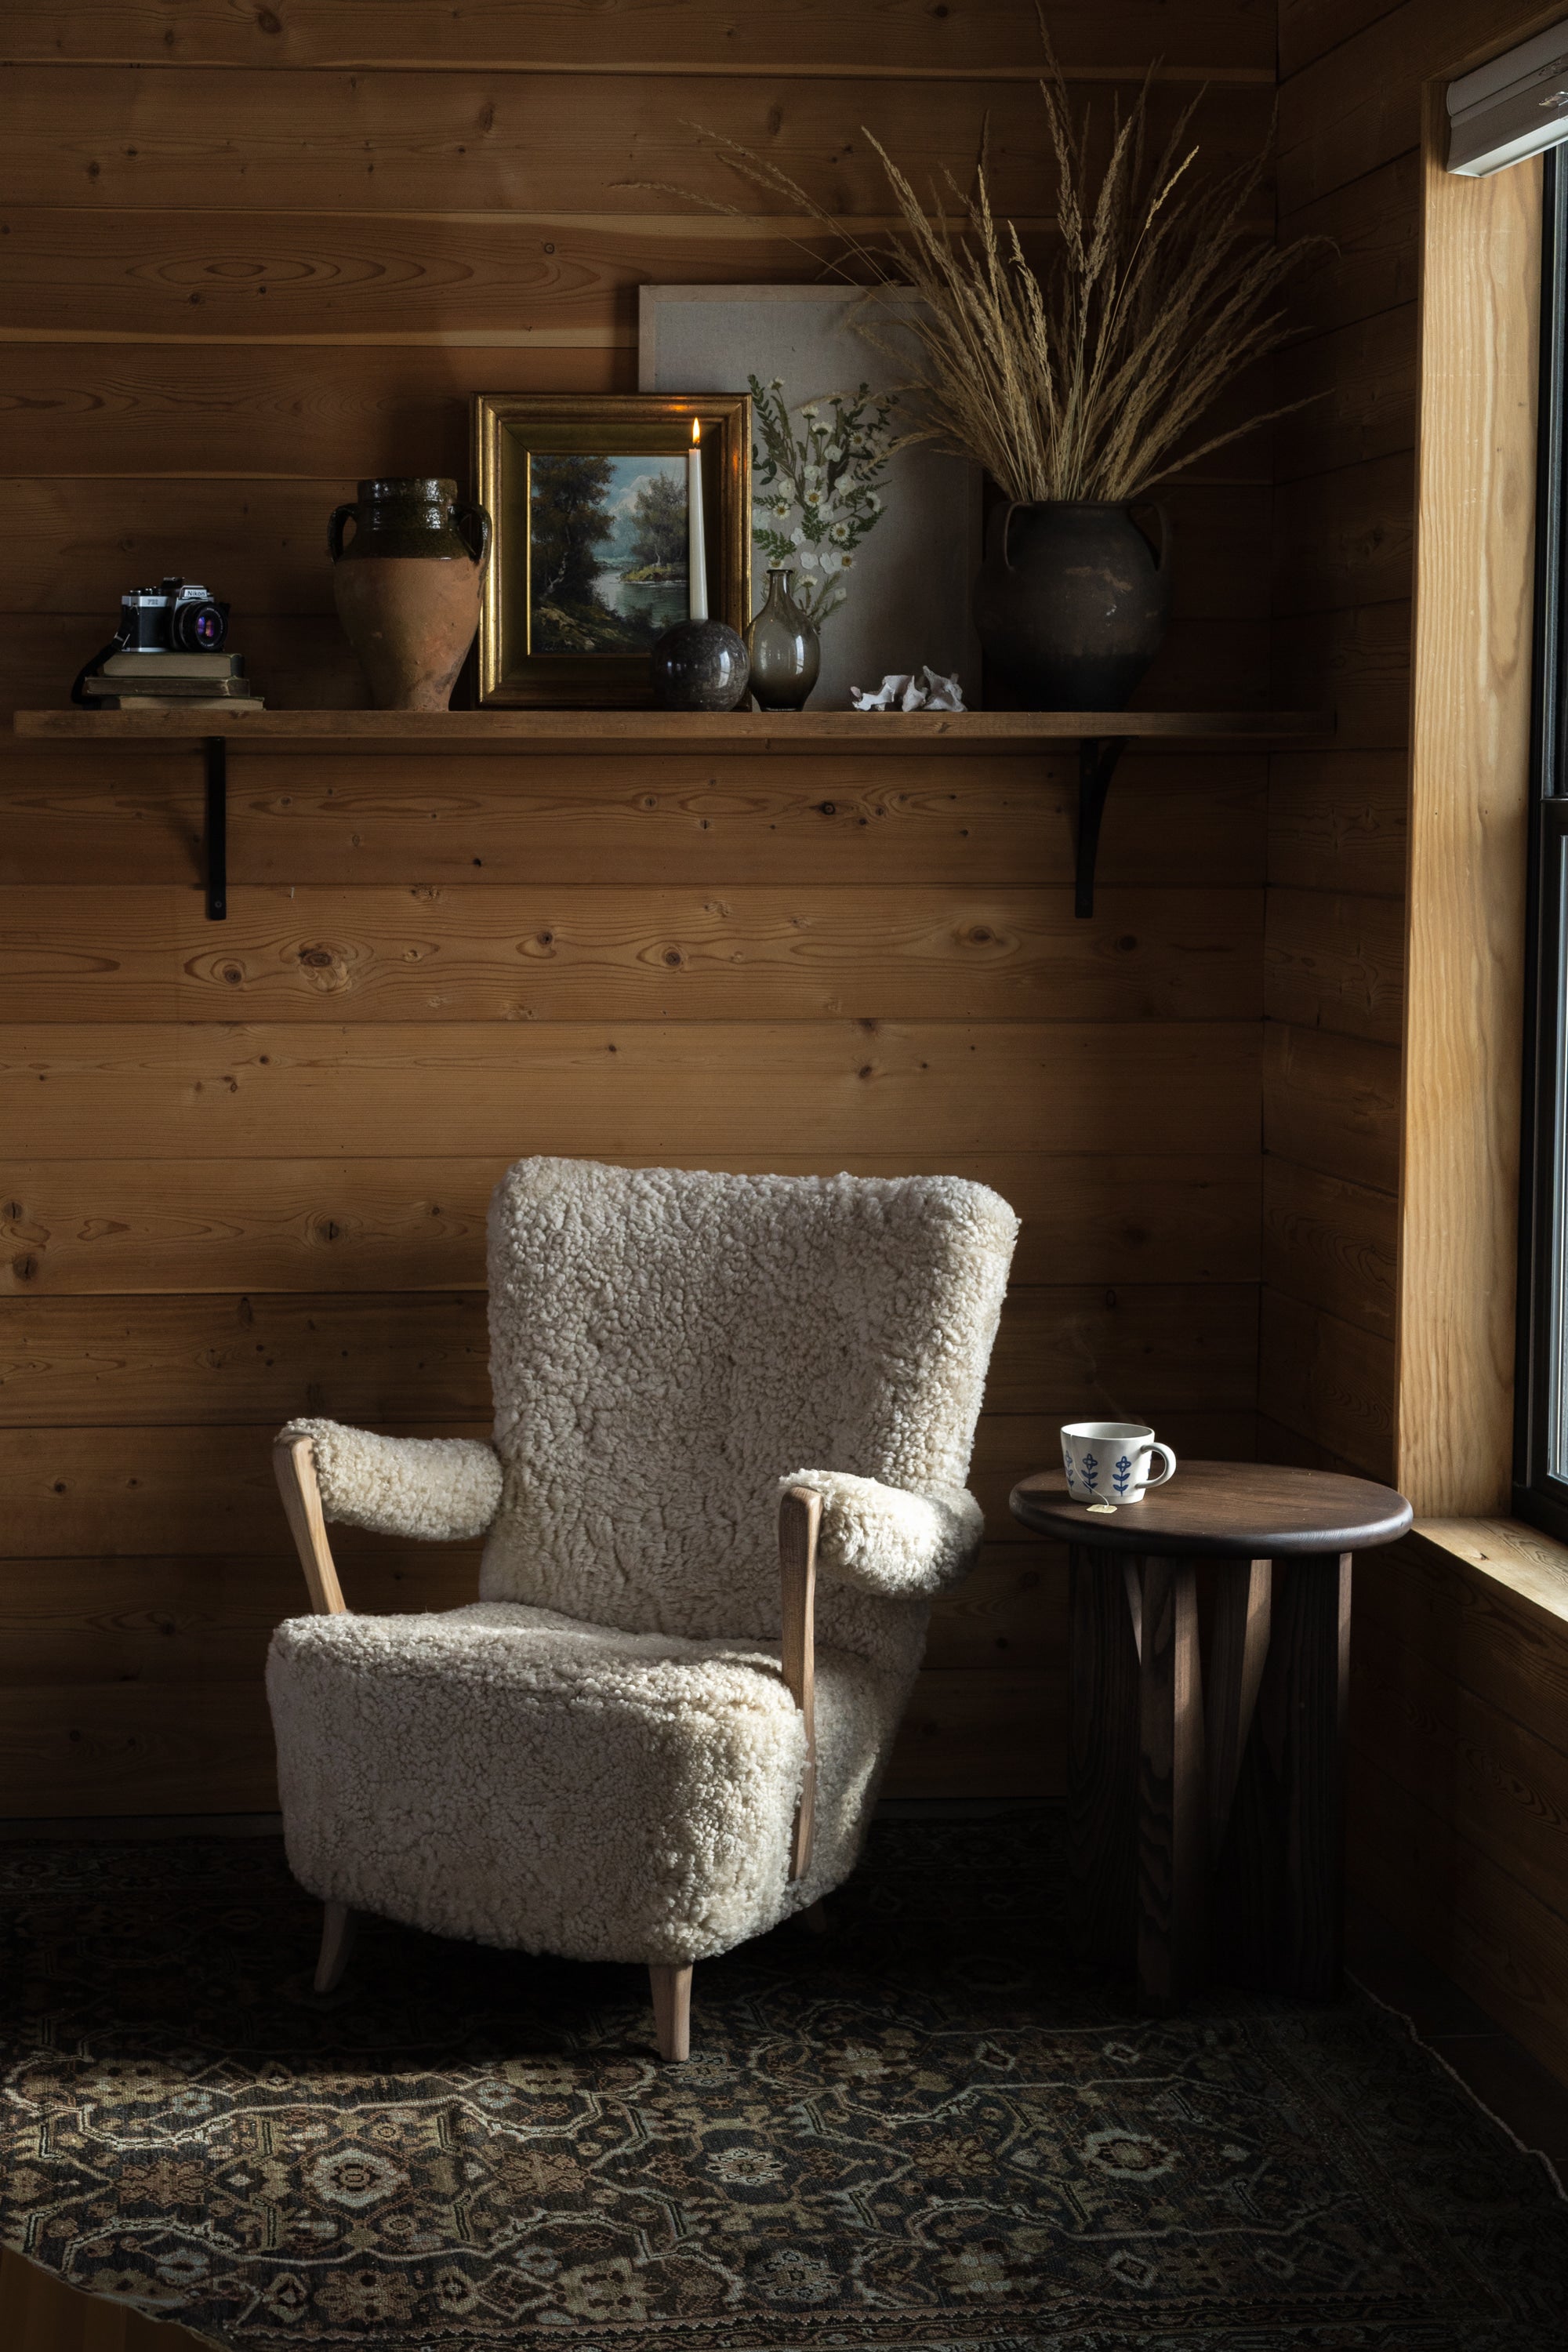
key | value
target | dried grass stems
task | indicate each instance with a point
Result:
(1086, 380)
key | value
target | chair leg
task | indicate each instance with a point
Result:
(815, 1917)
(337, 1943)
(671, 2009)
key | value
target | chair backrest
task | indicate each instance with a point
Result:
(665, 1345)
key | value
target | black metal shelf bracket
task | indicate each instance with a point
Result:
(1097, 760)
(215, 753)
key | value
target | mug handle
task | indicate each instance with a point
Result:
(1170, 1469)
(335, 522)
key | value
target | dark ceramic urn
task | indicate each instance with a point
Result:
(1073, 603)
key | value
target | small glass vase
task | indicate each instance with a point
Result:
(786, 650)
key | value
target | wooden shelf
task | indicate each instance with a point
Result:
(1100, 736)
(805, 732)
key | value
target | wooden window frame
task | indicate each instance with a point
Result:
(1468, 808)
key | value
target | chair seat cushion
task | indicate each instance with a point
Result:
(524, 1778)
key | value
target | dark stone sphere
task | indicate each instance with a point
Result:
(699, 665)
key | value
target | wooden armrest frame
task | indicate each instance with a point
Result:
(294, 1464)
(800, 1522)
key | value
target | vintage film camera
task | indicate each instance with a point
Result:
(175, 617)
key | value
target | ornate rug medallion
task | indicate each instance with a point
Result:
(924, 2131)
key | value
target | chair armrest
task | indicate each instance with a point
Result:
(296, 1475)
(888, 1541)
(433, 1489)
(800, 1515)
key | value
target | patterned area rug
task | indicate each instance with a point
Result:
(925, 2130)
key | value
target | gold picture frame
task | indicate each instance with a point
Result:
(536, 647)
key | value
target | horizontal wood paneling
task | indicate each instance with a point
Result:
(1369, 260)
(1471, 1625)
(1360, 382)
(138, 411)
(1216, 37)
(1329, 1380)
(956, 1723)
(1337, 822)
(617, 953)
(1331, 1243)
(1358, 662)
(407, 822)
(375, 143)
(1345, 536)
(370, 1356)
(1309, 29)
(1496, 1781)
(648, 1089)
(296, 276)
(107, 1492)
(1332, 1102)
(69, 1227)
(1481, 1926)
(185, 1620)
(1336, 963)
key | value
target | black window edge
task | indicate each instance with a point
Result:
(1538, 1497)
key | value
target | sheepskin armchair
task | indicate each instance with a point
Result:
(733, 1417)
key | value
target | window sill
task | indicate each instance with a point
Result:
(1532, 1566)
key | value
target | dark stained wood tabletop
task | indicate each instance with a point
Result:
(1239, 1510)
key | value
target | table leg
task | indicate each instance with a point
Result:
(1103, 1761)
(1243, 1604)
(1172, 1818)
(1279, 1890)
(1313, 1627)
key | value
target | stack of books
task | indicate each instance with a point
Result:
(172, 681)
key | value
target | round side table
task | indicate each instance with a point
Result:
(1213, 1835)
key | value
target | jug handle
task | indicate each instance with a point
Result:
(464, 512)
(1163, 513)
(996, 535)
(335, 522)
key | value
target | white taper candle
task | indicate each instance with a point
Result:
(696, 545)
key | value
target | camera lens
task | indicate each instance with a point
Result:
(198, 628)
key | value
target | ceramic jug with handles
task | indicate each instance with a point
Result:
(406, 582)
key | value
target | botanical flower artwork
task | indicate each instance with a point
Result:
(882, 540)
(817, 489)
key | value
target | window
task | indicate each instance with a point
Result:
(1540, 1465)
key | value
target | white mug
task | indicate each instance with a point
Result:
(1109, 1461)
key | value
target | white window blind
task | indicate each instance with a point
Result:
(1513, 106)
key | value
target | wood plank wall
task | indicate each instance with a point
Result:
(248, 256)
(1457, 1813)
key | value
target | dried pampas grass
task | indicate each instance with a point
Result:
(1086, 380)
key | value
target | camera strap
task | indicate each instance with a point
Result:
(90, 668)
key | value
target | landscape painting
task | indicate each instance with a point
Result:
(607, 552)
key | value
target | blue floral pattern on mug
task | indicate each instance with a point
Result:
(1122, 1477)
(1090, 1472)
(1066, 1465)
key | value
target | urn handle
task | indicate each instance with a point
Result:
(335, 522)
(1161, 554)
(996, 536)
(466, 511)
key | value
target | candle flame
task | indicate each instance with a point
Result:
(695, 431)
